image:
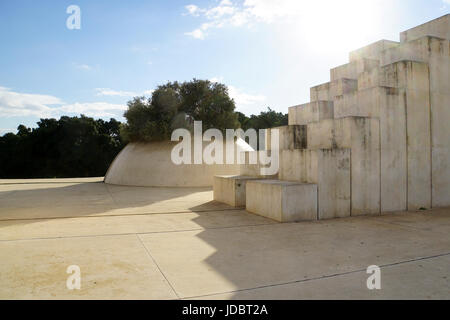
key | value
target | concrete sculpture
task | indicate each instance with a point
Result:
(376, 138)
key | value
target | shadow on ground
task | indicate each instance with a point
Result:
(210, 250)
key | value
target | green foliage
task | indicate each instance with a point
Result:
(210, 103)
(265, 120)
(83, 147)
(176, 105)
(68, 147)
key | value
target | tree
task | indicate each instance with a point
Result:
(68, 147)
(265, 120)
(210, 103)
(176, 105)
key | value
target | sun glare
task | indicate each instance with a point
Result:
(337, 26)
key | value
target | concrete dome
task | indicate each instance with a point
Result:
(149, 164)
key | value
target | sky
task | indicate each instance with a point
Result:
(269, 53)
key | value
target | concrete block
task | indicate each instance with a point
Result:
(435, 52)
(353, 69)
(290, 137)
(329, 169)
(299, 165)
(372, 51)
(334, 183)
(311, 112)
(363, 103)
(403, 108)
(401, 74)
(431, 50)
(282, 201)
(254, 169)
(405, 136)
(419, 148)
(390, 107)
(362, 136)
(328, 91)
(439, 28)
(231, 189)
(440, 115)
(346, 105)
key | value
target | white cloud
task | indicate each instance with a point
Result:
(4, 131)
(227, 13)
(193, 10)
(92, 109)
(317, 15)
(83, 67)
(218, 17)
(197, 34)
(111, 92)
(220, 11)
(242, 99)
(25, 104)
(118, 93)
(15, 104)
(216, 79)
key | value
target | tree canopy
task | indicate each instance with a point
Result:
(85, 147)
(176, 105)
(265, 120)
(68, 147)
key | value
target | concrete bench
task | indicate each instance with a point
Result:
(282, 201)
(231, 189)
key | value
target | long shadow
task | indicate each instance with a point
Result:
(247, 251)
(28, 203)
(23, 203)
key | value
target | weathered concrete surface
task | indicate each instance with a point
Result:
(65, 200)
(204, 253)
(435, 52)
(361, 135)
(111, 266)
(311, 112)
(282, 201)
(391, 107)
(409, 74)
(439, 28)
(252, 169)
(329, 169)
(231, 189)
(414, 286)
(399, 95)
(290, 137)
(372, 51)
(328, 91)
(353, 69)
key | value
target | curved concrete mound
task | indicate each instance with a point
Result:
(150, 165)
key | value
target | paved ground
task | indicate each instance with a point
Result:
(169, 243)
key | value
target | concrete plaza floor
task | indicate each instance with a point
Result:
(176, 243)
